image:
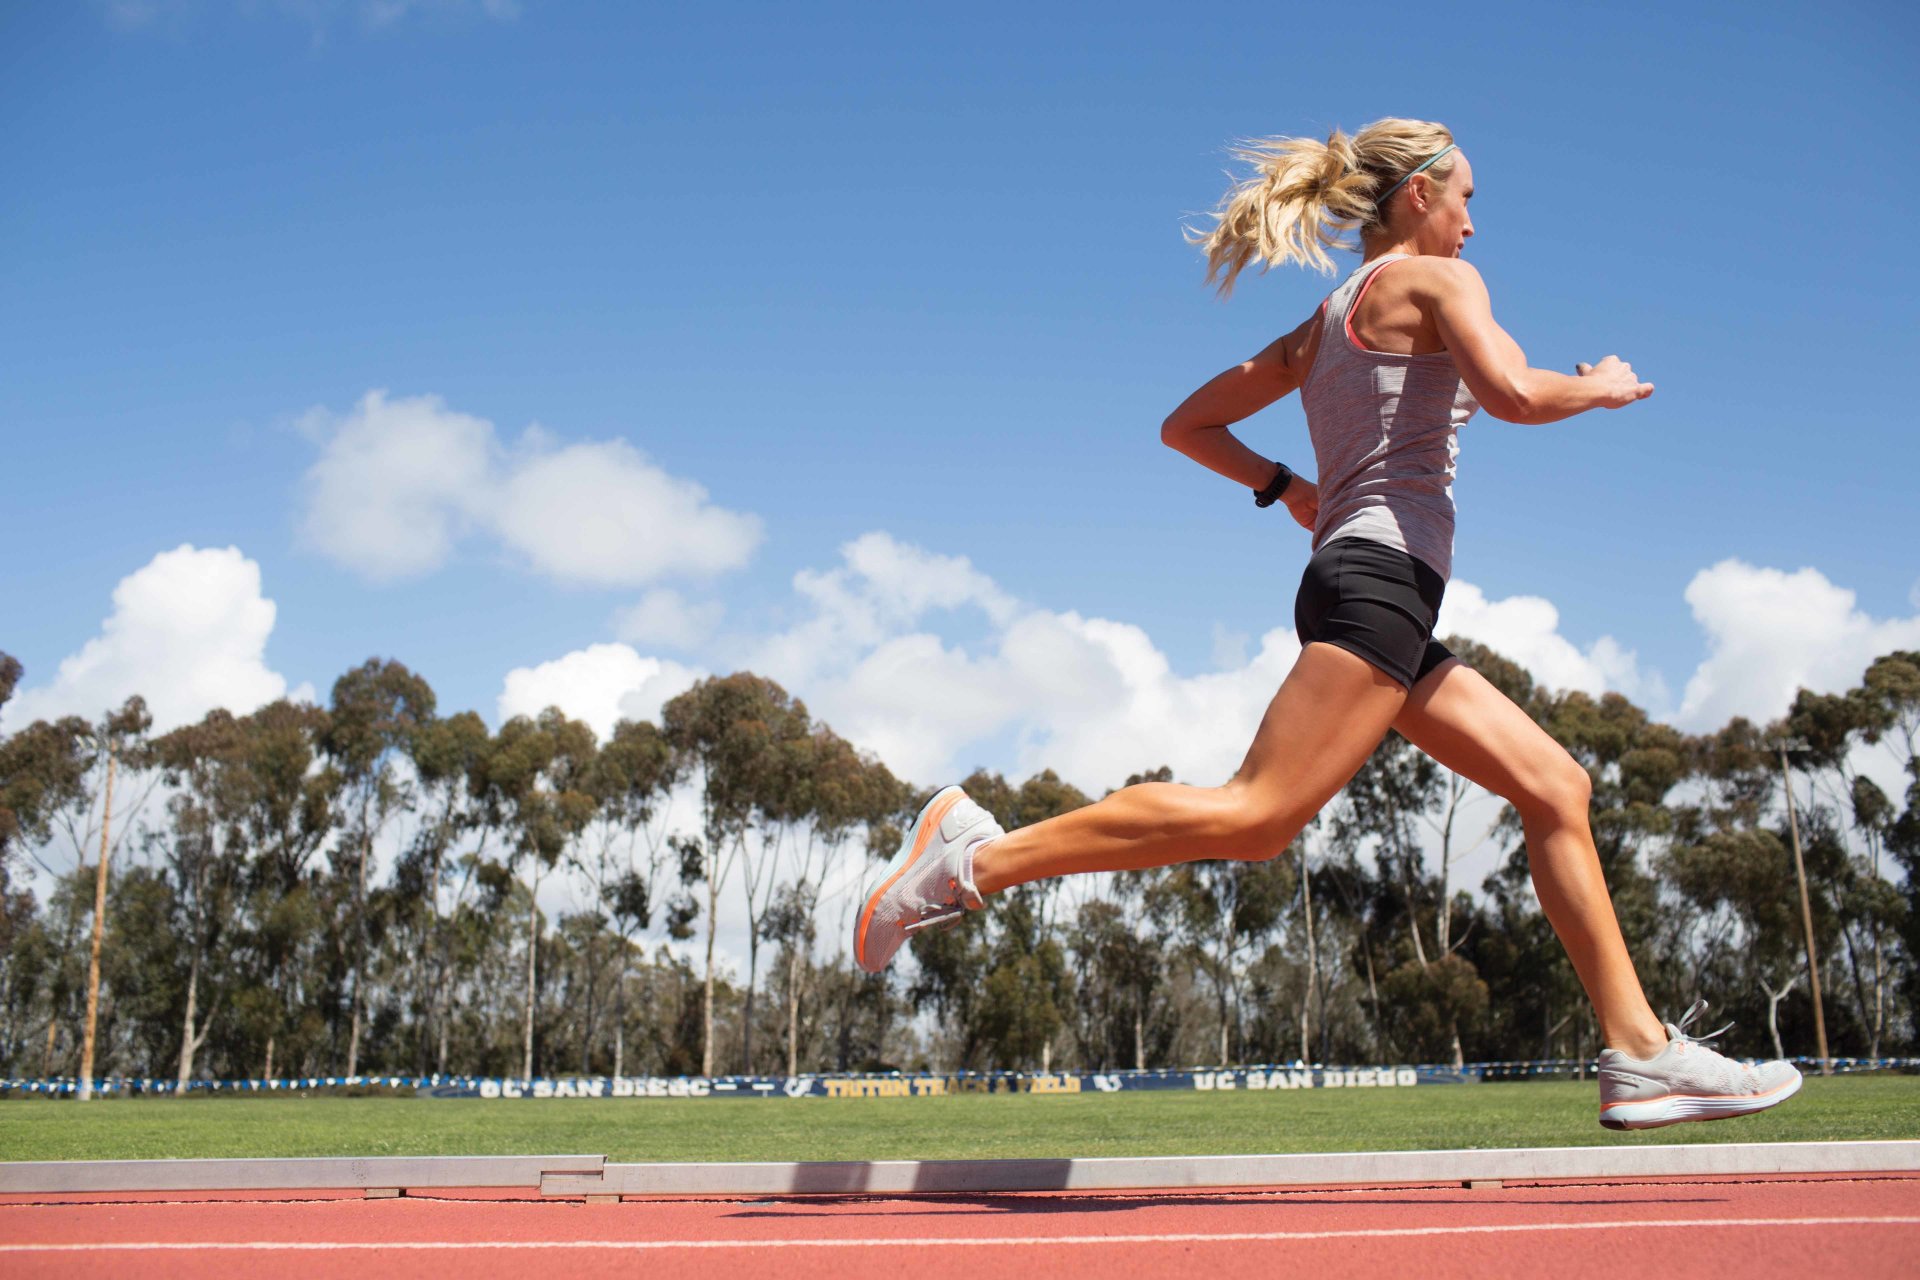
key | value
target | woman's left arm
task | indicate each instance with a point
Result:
(1199, 427)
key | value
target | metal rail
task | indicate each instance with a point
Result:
(591, 1175)
(317, 1174)
(1373, 1168)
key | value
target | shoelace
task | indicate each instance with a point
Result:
(944, 918)
(1680, 1028)
(939, 916)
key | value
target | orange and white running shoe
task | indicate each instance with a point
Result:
(1687, 1081)
(929, 883)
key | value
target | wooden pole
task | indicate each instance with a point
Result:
(99, 929)
(1806, 918)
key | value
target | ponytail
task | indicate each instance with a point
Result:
(1304, 194)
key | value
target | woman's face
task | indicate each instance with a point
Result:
(1445, 225)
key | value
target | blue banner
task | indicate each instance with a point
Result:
(896, 1084)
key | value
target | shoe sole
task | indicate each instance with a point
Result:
(1679, 1108)
(918, 837)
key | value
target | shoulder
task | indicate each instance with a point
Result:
(1298, 348)
(1432, 276)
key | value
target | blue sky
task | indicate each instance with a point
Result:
(863, 270)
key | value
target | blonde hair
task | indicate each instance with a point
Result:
(1305, 193)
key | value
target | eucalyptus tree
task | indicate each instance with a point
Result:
(778, 777)
(540, 774)
(1635, 763)
(375, 711)
(203, 854)
(10, 818)
(1223, 910)
(1384, 804)
(624, 854)
(43, 770)
(860, 1008)
(119, 739)
(1433, 992)
(1892, 686)
(1827, 732)
(285, 801)
(1460, 795)
(854, 800)
(61, 777)
(1122, 1013)
(1117, 940)
(449, 761)
(724, 729)
(1003, 970)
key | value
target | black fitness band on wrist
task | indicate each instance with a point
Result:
(1275, 487)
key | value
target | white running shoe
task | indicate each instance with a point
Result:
(928, 883)
(1687, 1081)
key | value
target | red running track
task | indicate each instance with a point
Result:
(1755, 1229)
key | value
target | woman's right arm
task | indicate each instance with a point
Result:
(1495, 368)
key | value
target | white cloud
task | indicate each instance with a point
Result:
(601, 684)
(396, 483)
(1089, 697)
(1526, 629)
(400, 481)
(664, 617)
(1770, 633)
(188, 633)
(601, 514)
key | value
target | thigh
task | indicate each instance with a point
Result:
(1456, 716)
(1327, 718)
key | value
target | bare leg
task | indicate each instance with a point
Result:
(1469, 726)
(1327, 718)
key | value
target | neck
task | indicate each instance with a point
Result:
(1385, 244)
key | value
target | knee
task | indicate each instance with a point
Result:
(1256, 830)
(1562, 792)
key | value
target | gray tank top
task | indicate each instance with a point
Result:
(1383, 428)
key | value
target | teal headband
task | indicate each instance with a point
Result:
(1422, 169)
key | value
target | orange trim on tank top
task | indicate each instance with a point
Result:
(1355, 306)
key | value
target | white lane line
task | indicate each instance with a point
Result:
(953, 1242)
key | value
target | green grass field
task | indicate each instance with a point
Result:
(1535, 1114)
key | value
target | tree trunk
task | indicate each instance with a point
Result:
(746, 1030)
(533, 953)
(706, 1011)
(188, 1040)
(1223, 1026)
(1773, 1011)
(359, 949)
(1313, 959)
(1373, 992)
(1879, 996)
(1444, 928)
(268, 1073)
(1139, 1040)
(99, 930)
(620, 1009)
(793, 1010)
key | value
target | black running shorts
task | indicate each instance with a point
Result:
(1374, 601)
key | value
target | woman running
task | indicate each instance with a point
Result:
(1389, 368)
